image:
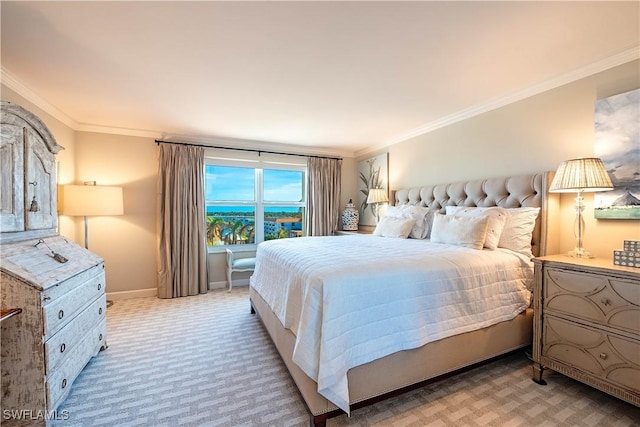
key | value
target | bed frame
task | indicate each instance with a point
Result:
(410, 369)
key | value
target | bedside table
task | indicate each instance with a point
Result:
(364, 229)
(587, 323)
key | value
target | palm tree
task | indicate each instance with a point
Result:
(214, 230)
(231, 237)
(246, 233)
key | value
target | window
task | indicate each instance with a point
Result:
(248, 203)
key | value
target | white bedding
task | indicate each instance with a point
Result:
(356, 298)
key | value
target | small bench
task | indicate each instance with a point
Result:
(238, 265)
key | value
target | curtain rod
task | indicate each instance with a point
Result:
(158, 142)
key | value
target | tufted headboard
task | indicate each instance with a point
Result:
(509, 192)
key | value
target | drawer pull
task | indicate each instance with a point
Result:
(603, 356)
(100, 310)
(64, 383)
(46, 298)
(100, 337)
(60, 314)
(606, 301)
(99, 286)
(63, 347)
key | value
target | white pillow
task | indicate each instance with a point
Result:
(423, 219)
(497, 219)
(394, 227)
(518, 230)
(465, 231)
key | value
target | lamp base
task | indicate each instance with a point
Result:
(579, 253)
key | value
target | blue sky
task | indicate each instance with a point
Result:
(249, 209)
(238, 184)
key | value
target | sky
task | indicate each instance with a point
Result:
(229, 183)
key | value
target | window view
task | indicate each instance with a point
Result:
(282, 222)
(230, 225)
(250, 205)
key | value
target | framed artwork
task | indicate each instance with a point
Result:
(372, 173)
(617, 143)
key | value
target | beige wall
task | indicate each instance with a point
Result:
(532, 135)
(535, 134)
(127, 243)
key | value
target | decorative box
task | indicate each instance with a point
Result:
(632, 246)
(626, 258)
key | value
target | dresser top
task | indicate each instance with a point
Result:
(589, 263)
(33, 262)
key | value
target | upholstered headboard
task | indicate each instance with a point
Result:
(508, 192)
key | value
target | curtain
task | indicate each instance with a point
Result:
(323, 210)
(182, 248)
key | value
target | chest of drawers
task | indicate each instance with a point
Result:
(61, 327)
(587, 323)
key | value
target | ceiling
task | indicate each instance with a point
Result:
(324, 76)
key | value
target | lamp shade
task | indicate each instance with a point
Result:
(377, 195)
(90, 200)
(583, 174)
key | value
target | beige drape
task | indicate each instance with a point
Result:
(323, 210)
(182, 250)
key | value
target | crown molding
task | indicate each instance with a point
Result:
(624, 56)
(12, 82)
(83, 127)
(627, 55)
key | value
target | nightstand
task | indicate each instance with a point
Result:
(361, 230)
(587, 323)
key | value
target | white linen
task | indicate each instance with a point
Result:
(423, 218)
(356, 298)
(394, 227)
(497, 219)
(467, 231)
(518, 229)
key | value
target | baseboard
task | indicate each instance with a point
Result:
(223, 284)
(138, 293)
(153, 292)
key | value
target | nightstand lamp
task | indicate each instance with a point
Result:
(578, 176)
(377, 196)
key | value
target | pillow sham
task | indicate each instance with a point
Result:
(456, 230)
(394, 227)
(497, 219)
(518, 230)
(423, 217)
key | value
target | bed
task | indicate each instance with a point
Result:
(359, 318)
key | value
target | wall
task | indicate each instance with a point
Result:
(532, 135)
(128, 242)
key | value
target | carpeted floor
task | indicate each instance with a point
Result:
(206, 361)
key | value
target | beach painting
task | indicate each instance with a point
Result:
(617, 143)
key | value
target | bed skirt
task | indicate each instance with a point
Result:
(401, 370)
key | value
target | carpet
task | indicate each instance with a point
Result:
(206, 361)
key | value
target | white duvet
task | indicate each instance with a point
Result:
(353, 299)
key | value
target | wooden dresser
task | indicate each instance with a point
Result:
(62, 324)
(53, 288)
(587, 323)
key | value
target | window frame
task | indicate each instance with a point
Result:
(258, 203)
